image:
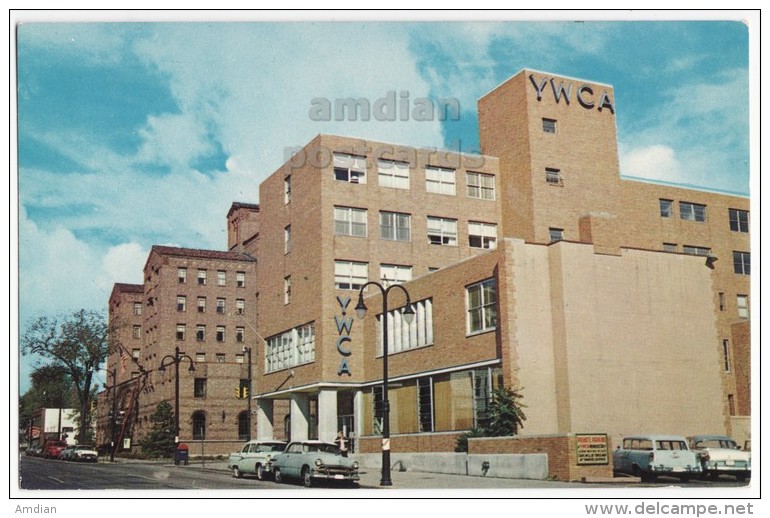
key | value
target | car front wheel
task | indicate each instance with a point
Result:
(307, 480)
(237, 472)
(260, 472)
(277, 475)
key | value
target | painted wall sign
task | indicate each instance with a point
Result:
(344, 326)
(592, 449)
(584, 94)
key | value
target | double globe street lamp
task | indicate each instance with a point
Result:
(408, 315)
(176, 360)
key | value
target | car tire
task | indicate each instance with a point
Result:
(237, 472)
(307, 480)
(277, 475)
(260, 472)
(741, 477)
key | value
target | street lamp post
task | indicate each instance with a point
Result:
(247, 350)
(408, 314)
(176, 360)
(114, 374)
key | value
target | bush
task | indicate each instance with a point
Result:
(462, 440)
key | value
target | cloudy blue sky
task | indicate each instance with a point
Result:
(134, 134)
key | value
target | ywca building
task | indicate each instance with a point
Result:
(617, 305)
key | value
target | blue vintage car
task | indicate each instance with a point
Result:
(311, 461)
(647, 456)
(254, 458)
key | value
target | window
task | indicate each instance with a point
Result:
(482, 235)
(549, 125)
(349, 221)
(442, 231)
(294, 347)
(692, 211)
(742, 263)
(240, 334)
(721, 301)
(136, 332)
(239, 358)
(199, 426)
(666, 208)
(350, 275)
(200, 333)
(481, 186)
(287, 189)
(287, 239)
(220, 357)
(201, 304)
(739, 220)
(440, 180)
(377, 409)
(731, 404)
(553, 176)
(135, 353)
(555, 234)
(199, 389)
(393, 174)
(202, 277)
(243, 426)
(670, 247)
(287, 290)
(220, 333)
(403, 336)
(181, 274)
(181, 303)
(240, 306)
(221, 303)
(395, 226)
(137, 308)
(482, 306)
(240, 279)
(696, 250)
(395, 274)
(482, 397)
(221, 278)
(743, 306)
(349, 168)
(726, 354)
(180, 331)
(200, 357)
(425, 404)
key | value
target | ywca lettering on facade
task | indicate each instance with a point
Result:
(584, 94)
(344, 325)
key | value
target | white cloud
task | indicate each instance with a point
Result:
(654, 162)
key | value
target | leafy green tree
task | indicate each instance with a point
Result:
(160, 441)
(462, 440)
(77, 343)
(506, 416)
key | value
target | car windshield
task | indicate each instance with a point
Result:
(271, 447)
(323, 448)
(671, 445)
(716, 443)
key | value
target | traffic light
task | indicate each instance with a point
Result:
(245, 392)
(237, 392)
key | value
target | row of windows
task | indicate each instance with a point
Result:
(221, 305)
(240, 277)
(741, 260)
(397, 226)
(200, 333)
(294, 347)
(739, 219)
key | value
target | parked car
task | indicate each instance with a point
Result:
(34, 451)
(647, 456)
(311, 461)
(721, 455)
(79, 453)
(254, 458)
(53, 448)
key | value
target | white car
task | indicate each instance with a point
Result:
(721, 455)
(254, 458)
(647, 456)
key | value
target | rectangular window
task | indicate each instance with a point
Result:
(442, 231)
(670, 247)
(287, 189)
(200, 357)
(403, 336)
(349, 168)
(294, 347)
(482, 397)
(220, 333)
(482, 235)
(181, 303)
(200, 387)
(221, 305)
(350, 275)
(549, 125)
(202, 277)
(480, 186)
(692, 211)
(200, 333)
(136, 332)
(440, 180)
(742, 263)
(393, 174)
(726, 354)
(425, 404)
(739, 220)
(181, 330)
(482, 306)
(743, 306)
(137, 308)
(239, 358)
(731, 404)
(240, 279)
(553, 176)
(287, 239)
(240, 306)
(349, 221)
(721, 301)
(287, 290)
(666, 208)
(221, 278)
(555, 234)
(395, 274)
(220, 357)
(240, 334)
(696, 250)
(377, 409)
(135, 353)
(201, 304)
(395, 226)
(181, 274)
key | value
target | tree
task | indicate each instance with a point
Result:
(160, 442)
(51, 388)
(505, 412)
(77, 343)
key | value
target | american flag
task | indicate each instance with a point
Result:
(123, 360)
